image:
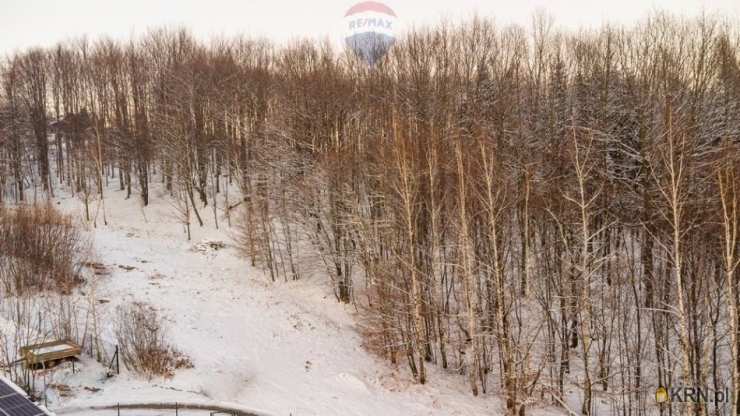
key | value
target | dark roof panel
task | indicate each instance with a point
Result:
(13, 403)
(6, 389)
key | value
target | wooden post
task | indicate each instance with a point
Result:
(118, 364)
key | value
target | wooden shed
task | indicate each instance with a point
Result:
(49, 354)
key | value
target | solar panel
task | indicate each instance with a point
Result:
(13, 403)
(27, 409)
(5, 389)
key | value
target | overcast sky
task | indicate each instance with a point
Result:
(25, 23)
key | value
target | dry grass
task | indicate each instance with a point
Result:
(40, 249)
(142, 340)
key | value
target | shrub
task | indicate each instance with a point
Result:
(40, 249)
(142, 342)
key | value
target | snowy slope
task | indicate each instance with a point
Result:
(284, 348)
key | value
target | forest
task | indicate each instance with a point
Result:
(532, 209)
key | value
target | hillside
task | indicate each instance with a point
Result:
(284, 348)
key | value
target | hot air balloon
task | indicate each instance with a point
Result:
(370, 29)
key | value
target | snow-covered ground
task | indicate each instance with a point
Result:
(282, 348)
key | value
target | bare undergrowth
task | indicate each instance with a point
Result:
(40, 249)
(142, 339)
